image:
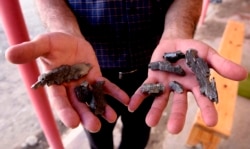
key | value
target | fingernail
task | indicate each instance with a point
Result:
(130, 110)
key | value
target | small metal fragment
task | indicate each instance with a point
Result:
(93, 96)
(166, 66)
(62, 74)
(173, 56)
(202, 72)
(83, 92)
(176, 86)
(99, 103)
(151, 88)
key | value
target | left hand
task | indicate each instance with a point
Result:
(224, 67)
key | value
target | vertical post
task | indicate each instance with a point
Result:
(203, 12)
(16, 32)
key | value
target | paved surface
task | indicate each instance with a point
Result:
(18, 120)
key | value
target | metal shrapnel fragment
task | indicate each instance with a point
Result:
(151, 88)
(202, 72)
(92, 96)
(99, 103)
(173, 56)
(166, 66)
(176, 86)
(83, 92)
(62, 74)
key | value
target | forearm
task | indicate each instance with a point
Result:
(57, 16)
(181, 19)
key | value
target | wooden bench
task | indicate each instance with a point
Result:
(209, 137)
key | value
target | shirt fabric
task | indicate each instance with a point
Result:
(123, 33)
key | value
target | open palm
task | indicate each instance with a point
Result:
(55, 49)
(176, 120)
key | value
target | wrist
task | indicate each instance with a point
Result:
(181, 19)
(69, 30)
(57, 17)
(175, 32)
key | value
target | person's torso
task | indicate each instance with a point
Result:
(123, 33)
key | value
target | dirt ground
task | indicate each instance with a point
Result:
(18, 120)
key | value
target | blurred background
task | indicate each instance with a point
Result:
(19, 125)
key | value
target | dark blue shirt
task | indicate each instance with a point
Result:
(123, 33)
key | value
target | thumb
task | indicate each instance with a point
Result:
(28, 51)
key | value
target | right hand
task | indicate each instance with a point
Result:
(55, 49)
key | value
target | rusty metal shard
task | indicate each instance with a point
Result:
(176, 86)
(167, 66)
(62, 74)
(202, 72)
(92, 96)
(99, 102)
(151, 88)
(83, 92)
(173, 56)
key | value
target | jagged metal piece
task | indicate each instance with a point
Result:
(62, 74)
(173, 56)
(176, 86)
(151, 88)
(99, 102)
(83, 92)
(202, 72)
(166, 66)
(92, 96)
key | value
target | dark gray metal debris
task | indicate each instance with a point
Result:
(99, 103)
(176, 86)
(173, 56)
(202, 72)
(152, 88)
(216, 1)
(92, 96)
(83, 92)
(166, 66)
(62, 74)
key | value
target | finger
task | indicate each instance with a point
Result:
(156, 109)
(88, 119)
(178, 113)
(208, 111)
(138, 97)
(28, 51)
(226, 67)
(59, 100)
(87, 116)
(114, 91)
(109, 114)
(136, 100)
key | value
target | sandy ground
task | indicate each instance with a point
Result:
(18, 120)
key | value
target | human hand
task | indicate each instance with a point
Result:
(55, 49)
(177, 116)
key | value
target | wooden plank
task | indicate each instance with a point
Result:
(213, 144)
(193, 137)
(230, 48)
(208, 139)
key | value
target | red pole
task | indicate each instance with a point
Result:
(16, 31)
(203, 12)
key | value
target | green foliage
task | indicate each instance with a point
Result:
(244, 88)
